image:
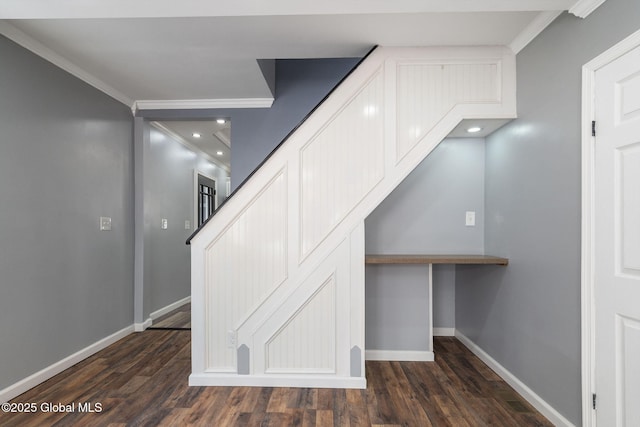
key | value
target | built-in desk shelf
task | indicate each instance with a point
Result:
(429, 260)
(435, 259)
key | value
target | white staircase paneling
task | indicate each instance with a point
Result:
(306, 343)
(245, 264)
(278, 273)
(426, 92)
(342, 164)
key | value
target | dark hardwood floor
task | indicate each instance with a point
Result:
(179, 318)
(142, 381)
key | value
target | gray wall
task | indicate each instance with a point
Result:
(169, 193)
(424, 214)
(527, 316)
(65, 160)
(300, 85)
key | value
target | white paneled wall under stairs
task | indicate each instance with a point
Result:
(278, 273)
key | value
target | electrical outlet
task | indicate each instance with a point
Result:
(470, 219)
(187, 224)
(164, 224)
(232, 339)
(105, 223)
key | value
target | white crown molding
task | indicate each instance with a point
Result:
(46, 9)
(191, 104)
(44, 52)
(222, 138)
(532, 30)
(190, 146)
(583, 8)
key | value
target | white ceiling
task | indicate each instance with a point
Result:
(214, 137)
(202, 54)
(193, 50)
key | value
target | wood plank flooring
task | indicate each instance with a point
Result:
(142, 381)
(179, 318)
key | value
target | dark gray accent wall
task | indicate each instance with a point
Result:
(424, 214)
(300, 84)
(527, 316)
(65, 160)
(169, 194)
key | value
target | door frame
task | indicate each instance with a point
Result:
(588, 224)
(197, 172)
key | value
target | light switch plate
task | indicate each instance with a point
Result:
(187, 224)
(470, 219)
(105, 223)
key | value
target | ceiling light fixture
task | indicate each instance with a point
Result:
(219, 153)
(196, 135)
(474, 129)
(221, 121)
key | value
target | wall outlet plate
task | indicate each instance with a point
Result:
(470, 218)
(105, 223)
(164, 224)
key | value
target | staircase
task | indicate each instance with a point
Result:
(278, 273)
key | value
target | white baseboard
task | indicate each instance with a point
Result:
(529, 395)
(48, 372)
(306, 381)
(444, 332)
(139, 327)
(399, 356)
(169, 308)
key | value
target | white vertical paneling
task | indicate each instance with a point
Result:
(307, 342)
(300, 310)
(356, 296)
(243, 266)
(341, 164)
(426, 92)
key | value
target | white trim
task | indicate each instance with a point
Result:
(162, 128)
(399, 355)
(280, 380)
(46, 9)
(59, 61)
(190, 104)
(169, 308)
(583, 8)
(52, 370)
(535, 27)
(521, 388)
(588, 223)
(139, 327)
(444, 332)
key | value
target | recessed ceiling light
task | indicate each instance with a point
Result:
(219, 153)
(474, 129)
(221, 121)
(196, 135)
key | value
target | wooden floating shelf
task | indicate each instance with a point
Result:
(436, 259)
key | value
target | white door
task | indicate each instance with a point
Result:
(617, 242)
